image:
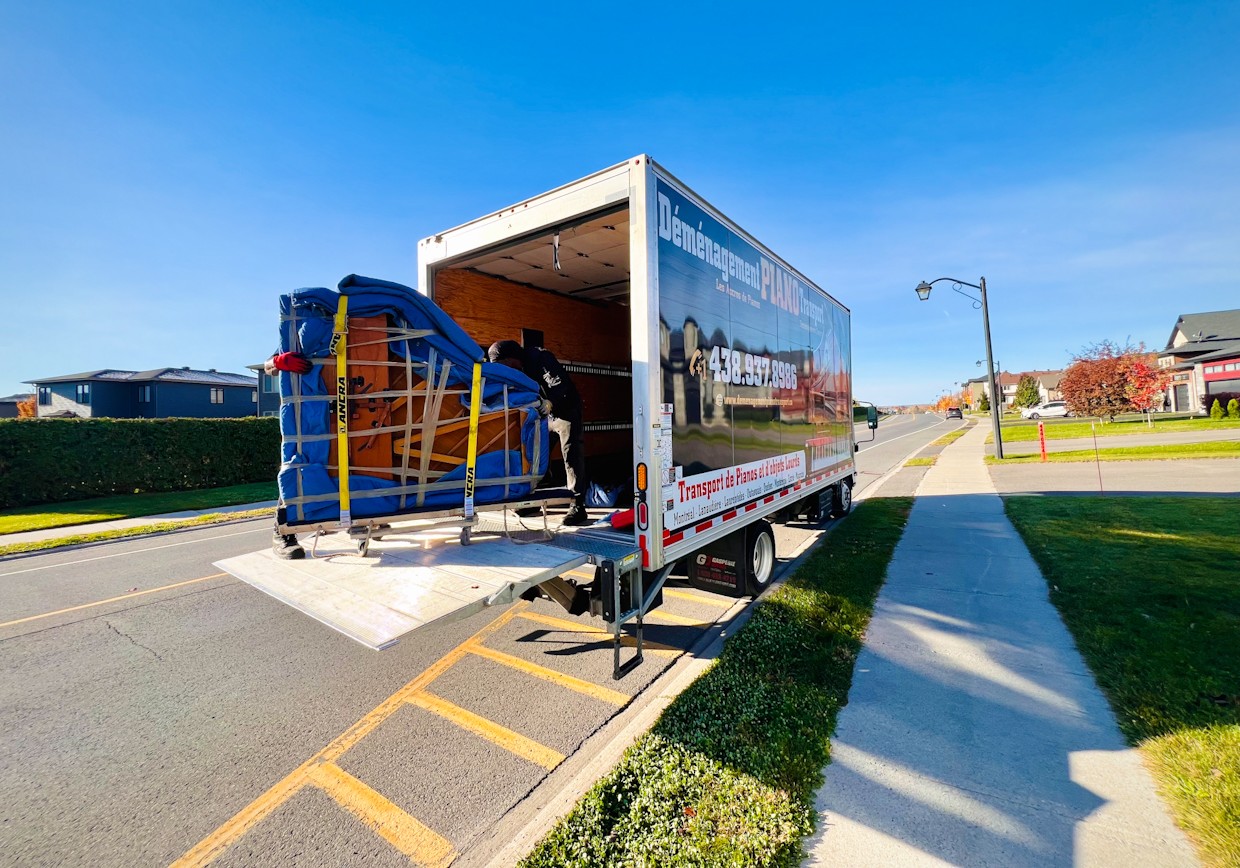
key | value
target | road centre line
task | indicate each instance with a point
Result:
(402, 831)
(210, 848)
(110, 600)
(577, 627)
(123, 554)
(514, 742)
(589, 688)
(909, 434)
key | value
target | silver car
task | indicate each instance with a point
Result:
(1049, 410)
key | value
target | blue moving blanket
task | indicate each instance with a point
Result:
(431, 343)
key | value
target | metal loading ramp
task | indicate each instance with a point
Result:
(399, 587)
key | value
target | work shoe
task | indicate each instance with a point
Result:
(286, 548)
(576, 516)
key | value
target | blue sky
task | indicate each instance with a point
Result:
(167, 169)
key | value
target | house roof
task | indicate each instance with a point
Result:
(163, 375)
(17, 399)
(1228, 352)
(1204, 332)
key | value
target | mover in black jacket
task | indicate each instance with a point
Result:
(565, 418)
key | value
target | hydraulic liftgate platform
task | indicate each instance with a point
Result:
(402, 583)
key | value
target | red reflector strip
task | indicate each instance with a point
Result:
(674, 538)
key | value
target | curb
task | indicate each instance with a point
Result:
(526, 823)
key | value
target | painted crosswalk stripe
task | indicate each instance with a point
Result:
(510, 741)
(420, 844)
(605, 694)
(577, 627)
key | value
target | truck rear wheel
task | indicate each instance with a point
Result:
(841, 498)
(759, 557)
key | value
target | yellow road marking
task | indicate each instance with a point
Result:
(668, 617)
(576, 627)
(697, 598)
(606, 694)
(490, 730)
(395, 826)
(109, 600)
(226, 835)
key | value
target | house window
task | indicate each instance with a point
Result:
(217, 396)
(144, 394)
(45, 396)
(254, 396)
(270, 384)
(83, 393)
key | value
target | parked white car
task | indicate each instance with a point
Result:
(1049, 410)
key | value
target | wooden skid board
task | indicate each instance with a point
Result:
(398, 588)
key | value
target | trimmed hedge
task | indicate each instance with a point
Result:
(54, 460)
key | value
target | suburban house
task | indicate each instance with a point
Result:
(268, 391)
(1203, 355)
(156, 394)
(1048, 386)
(975, 389)
(8, 405)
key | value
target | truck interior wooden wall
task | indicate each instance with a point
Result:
(581, 308)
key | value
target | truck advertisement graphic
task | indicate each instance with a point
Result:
(755, 365)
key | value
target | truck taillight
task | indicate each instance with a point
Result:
(641, 476)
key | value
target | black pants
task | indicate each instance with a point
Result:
(568, 429)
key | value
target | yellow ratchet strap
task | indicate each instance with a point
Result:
(475, 400)
(339, 347)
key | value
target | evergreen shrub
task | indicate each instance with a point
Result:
(54, 460)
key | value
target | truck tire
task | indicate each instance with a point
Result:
(841, 498)
(759, 557)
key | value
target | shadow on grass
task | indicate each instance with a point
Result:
(1150, 589)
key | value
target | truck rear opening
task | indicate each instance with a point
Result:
(565, 288)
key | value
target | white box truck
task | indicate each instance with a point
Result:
(716, 380)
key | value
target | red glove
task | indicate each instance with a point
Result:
(294, 363)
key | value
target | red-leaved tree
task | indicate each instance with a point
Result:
(1147, 383)
(1096, 383)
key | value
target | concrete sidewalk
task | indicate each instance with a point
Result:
(123, 523)
(974, 733)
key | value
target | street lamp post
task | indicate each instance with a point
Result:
(923, 293)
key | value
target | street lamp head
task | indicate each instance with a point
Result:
(923, 291)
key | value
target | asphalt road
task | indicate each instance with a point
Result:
(153, 709)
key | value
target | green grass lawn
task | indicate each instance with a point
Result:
(1064, 429)
(727, 775)
(920, 462)
(130, 506)
(1218, 449)
(1150, 589)
(950, 437)
(89, 536)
